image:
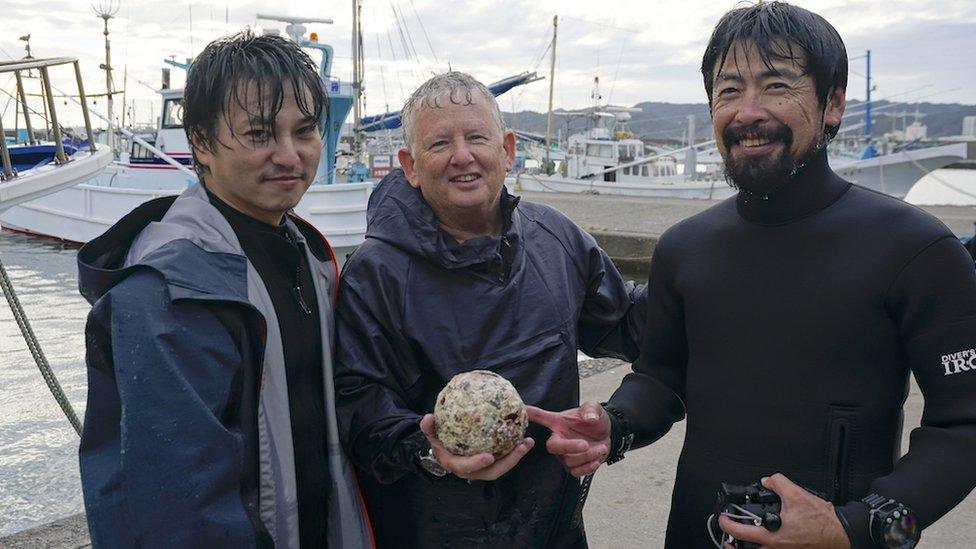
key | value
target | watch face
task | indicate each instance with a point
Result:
(901, 531)
(431, 466)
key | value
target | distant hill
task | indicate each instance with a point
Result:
(669, 121)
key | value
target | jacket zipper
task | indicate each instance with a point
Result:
(503, 276)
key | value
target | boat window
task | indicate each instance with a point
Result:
(141, 153)
(173, 113)
(644, 170)
(600, 150)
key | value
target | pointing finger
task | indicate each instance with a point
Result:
(550, 420)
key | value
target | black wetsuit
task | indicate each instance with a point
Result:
(786, 328)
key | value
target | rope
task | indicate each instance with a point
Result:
(35, 349)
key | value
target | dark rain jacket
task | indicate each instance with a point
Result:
(416, 308)
(187, 439)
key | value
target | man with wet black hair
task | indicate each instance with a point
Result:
(785, 321)
(211, 416)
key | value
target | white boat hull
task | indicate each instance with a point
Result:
(81, 213)
(52, 178)
(677, 188)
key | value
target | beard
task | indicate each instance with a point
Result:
(762, 176)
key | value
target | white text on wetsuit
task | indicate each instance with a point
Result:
(963, 361)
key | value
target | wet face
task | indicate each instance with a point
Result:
(254, 172)
(768, 119)
(458, 159)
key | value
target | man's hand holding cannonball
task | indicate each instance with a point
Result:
(477, 430)
(481, 466)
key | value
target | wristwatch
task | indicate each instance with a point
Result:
(430, 464)
(893, 526)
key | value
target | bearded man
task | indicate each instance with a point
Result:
(785, 321)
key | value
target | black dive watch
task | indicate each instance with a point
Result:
(893, 526)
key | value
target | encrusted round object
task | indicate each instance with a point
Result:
(479, 411)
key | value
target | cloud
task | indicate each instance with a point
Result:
(641, 51)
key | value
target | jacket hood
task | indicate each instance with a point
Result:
(142, 239)
(398, 215)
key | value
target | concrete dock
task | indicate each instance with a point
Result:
(652, 216)
(629, 502)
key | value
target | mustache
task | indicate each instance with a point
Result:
(732, 135)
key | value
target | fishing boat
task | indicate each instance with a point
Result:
(896, 171)
(33, 168)
(608, 159)
(161, 165)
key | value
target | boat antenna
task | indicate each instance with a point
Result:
(106, 9)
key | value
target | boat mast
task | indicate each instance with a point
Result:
(552, 83)
(107, 10)
(867, 106)
(357, 80)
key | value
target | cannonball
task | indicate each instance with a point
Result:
(479, 411)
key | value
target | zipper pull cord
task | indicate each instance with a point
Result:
(298, 276)
(298, 290)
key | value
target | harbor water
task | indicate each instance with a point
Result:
(39, 478)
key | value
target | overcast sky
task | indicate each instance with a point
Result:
(641, 50)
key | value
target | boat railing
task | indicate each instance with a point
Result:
(17, 67)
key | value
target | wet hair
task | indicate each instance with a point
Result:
(781, 31)
(455, 87)
(224, 73)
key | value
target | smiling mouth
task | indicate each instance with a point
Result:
(754, 142)
(466, 178)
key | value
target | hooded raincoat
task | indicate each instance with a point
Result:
(187, 439)
(416, 308)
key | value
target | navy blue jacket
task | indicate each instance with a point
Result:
(415, 308)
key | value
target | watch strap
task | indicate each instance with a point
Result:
(621, 437)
